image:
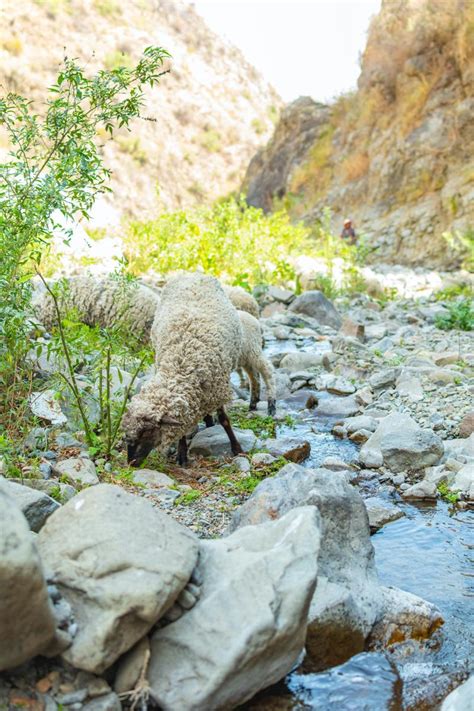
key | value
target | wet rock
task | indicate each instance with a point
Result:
(422, 490)
(317, 306)
(466, 426)
(131, 665)
(35, 505)
(292, 448)
(403, 444)
(214, 442)
(264, 575)
(461, 698)
(120, 563)
(403, 616)
(45, 405)
(77, 470)
(152, 478)
(27, 624)
(368, 681)
(381, 512)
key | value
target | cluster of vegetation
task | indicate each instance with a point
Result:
(460, 316)
(53, 175)
(242, 245)
(447, 494)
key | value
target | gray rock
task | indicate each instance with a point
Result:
(131, 665)
(77, 470)
(383, 379)
(381, 512)
(370, 458)
(360, 436)
(463, 481)
(37, 438)
(292, 448)
(340, 386)
(242, 464)
(45, 469)
(403, 444)
(422, 490)
(152, 478)
(360, 422)
(120, 563)
(317, 306)
(27, 624)
(214, 442)
(410, 387)
(301, 361)
(335, 464)
(259, 580)
(35, 505)
(338, 406)
(165, 497)
(279, 294)
(262, 458)
(62, 492)
(45, 405)
(461, 698)
(108, 702)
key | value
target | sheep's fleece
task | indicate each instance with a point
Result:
(197, 339)
(242, 300)
(254, 362)
(102, 302)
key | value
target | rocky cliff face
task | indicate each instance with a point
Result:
(397, 154)
(212, 111)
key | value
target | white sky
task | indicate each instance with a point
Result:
(303, 47)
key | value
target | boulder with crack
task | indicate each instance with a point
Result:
(248, 628)
(120, 563)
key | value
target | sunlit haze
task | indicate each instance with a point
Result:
(307, 47)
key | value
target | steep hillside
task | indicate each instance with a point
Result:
(211, 112)
(397, 154)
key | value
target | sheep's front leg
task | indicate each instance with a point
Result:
(225, 422)
(182, 457)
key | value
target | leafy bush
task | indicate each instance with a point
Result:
(460, 316)
(230, 240)
(53, 175)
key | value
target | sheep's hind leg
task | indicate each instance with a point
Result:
(225, 422)
(182, 457)
(254, 388)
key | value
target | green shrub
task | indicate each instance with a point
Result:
(460, 316)
(230, 240)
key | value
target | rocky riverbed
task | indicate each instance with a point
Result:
(375, 419)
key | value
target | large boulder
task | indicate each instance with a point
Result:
(314, 304)
(27, 623)
(35, 505)
(248, 627)
(402, 444)
(120, 563)
(348, 600)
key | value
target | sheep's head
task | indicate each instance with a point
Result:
(145, 431)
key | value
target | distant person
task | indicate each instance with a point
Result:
(348, 233)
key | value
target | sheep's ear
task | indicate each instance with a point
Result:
(169, 420)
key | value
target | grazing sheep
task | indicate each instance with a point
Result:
(103, 302)
(242, 300)
(197, 338)
(254, 363)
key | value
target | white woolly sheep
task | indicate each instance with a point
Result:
(103, 302)
(242, 300)
(254, 362)
(197, 338)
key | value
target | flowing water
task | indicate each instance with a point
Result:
(429, 552)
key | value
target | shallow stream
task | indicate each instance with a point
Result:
(429, 552)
